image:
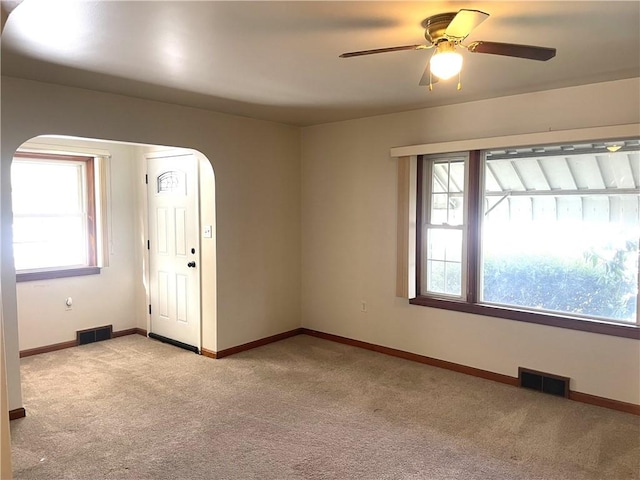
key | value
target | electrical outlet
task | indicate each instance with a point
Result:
(363, 306)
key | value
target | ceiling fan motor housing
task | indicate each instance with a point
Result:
(435, 26)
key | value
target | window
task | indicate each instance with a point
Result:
(54, 215)
(547, 234)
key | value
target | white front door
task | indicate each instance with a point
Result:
(174, 248)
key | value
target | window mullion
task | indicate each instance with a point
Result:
(474, 215)
(420, 220)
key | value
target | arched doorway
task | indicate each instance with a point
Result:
(119, 294)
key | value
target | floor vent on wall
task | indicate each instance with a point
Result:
(544, 382)
(94, 334)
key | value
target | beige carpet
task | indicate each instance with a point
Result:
(303, 408)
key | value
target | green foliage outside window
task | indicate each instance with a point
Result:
(602, 284)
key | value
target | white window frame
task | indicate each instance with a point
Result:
(429, 225)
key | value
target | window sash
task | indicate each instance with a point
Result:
(85, 213)
(425, 209)
(567, 200)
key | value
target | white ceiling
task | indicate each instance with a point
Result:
(279, 60)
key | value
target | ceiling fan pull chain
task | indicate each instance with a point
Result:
(430, 84)
(459, 81)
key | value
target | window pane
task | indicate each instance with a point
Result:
(43, 242)
(443, 272)
(453, 278)
(46, 187)
(435, 276)
(439, 211)
(447, 192)
(560, 235)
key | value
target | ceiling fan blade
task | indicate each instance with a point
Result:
(464, 22)
(424, 80)
(384, 50)
(513, 50)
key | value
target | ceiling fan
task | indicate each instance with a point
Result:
(445, 32)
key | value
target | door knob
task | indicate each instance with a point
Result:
(191, 264)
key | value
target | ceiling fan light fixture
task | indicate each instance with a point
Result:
(445, 62)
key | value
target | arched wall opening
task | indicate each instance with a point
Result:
(119, 295)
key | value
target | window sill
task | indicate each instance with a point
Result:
(30, 276)
(585, 325)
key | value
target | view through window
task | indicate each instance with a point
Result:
(560, 231)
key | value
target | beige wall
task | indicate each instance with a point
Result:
(257, 171)
(208, 256)
(5, 438)
(111, 298)
(347, 182)
(349, 240)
